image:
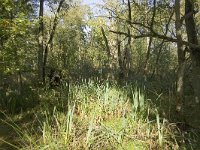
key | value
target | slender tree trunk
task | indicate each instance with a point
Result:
(158, 58)
(41, 41)
(119, 55)
(149, 43)
(181, 58)
(194, 52)
(46, 51)
(120, 62)
(108, 53)
(106, 43)
(149, 40)
(127, 54)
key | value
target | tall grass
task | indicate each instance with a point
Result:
(94, 116)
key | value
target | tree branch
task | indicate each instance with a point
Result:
(156, 35)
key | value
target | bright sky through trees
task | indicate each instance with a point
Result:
(92, 2)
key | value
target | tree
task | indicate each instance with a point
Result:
(45, 46)
(41, 42)
(49, 42)
(191, 29)
(17, 43)
(181, 56)
(69, 41)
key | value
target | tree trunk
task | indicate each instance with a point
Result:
(120, 62)
(194, 52)
(41, 41)
(106, 42)
(149, 43)
(127, 53)
(108, 54)
(181, 58)
(149, 40)
(46, 51)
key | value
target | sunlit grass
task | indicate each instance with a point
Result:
(93, 116)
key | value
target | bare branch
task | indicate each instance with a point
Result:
(157, 35)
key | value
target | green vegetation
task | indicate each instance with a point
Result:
(122, 74)
(93, 116)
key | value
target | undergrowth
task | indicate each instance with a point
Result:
(94, 116)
